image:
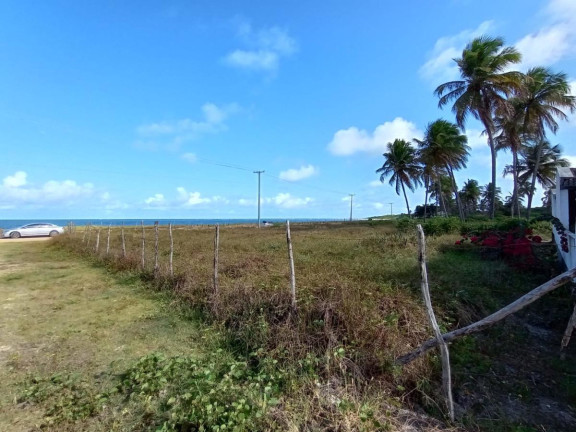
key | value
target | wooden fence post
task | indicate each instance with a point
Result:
(569, 329)
(84, 234)
(97, 241)
(123, 242)
(490, 320)
(446, 373)
(156, 268)
(108, 242)
(143, 246)
(171, 251)
(216, 247)
(89, 235)
(292, 273)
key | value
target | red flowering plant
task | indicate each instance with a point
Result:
(514, 244)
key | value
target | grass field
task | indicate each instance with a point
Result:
(328, 366)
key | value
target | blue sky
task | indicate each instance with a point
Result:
(163, 109)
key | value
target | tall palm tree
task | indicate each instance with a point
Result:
(446, 150)
(401, 165)
(471, 193)
(539, 160)
(483, 87)
(509, 126)
(545, 94)
(488, 197)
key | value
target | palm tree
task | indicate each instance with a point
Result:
(544, 96)
(488, 197)
(539, 160)
(401, 164)
(445, 149)
(483, 87)
(509, 124)
(471, 193)
(441, 191)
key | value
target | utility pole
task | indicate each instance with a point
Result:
(390, 208)
(351, 200)
(259, 173)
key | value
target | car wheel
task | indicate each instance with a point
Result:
(54, 233)
(15, 234)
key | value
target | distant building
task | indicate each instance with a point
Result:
(564, 208)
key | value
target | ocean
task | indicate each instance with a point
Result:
(14, 223)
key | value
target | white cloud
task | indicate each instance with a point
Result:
(255, 60)
(285, 200)
(246, 202)
(15, 190)
(571, 159)
(16, 180)
(476, 139)
(546, 46)
(572, 116)
(190, 157)
(191, 198)
(375, 183)
(156, 200)
(180, 131)
(264, 49)
(378, 205)
(298, 174)
(352, 140)
(555, 40)
(440, 66)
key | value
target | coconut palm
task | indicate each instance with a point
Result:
(539, 160)
(545, 94)
(401, 165)
(488, 197)
(483, 87)
(509, 126)
(445, 149)
(471, 193)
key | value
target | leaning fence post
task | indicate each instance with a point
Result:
(123, 242)
(292, 273)
(446, 374)
(97, 241)
(156, 247)
(171, 250)
(143, 246)
(216, 246)
(569, 328)
(108, 242)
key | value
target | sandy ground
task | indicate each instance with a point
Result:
(23, 239)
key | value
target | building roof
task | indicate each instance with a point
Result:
(567, 177)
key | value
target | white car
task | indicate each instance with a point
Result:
(34, 230)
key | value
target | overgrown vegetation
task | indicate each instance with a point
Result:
(359, 308)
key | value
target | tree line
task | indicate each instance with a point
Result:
(516, 109)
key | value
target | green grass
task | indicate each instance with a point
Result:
(329, 366)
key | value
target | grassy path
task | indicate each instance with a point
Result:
(61, 315)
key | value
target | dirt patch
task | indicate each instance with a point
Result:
(6, 241)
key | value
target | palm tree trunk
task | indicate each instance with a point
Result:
(493, 157)
(406, 198)
(486, 119)
(515, 198)
(456, 195)
(533, 182)
(426, 186)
